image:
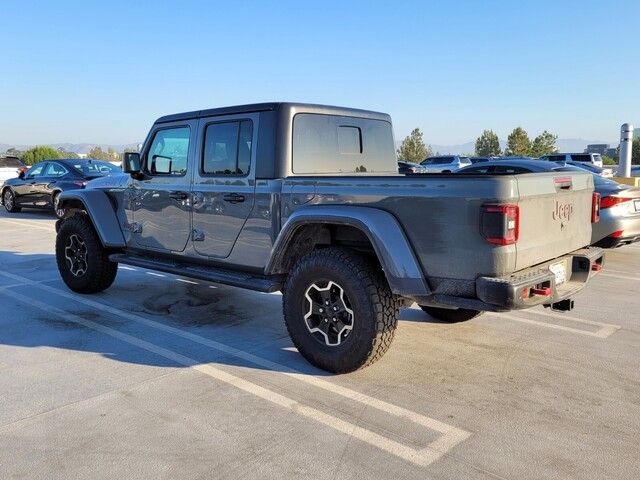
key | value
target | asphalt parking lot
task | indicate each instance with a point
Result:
(163, 377)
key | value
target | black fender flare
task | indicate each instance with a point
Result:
(101, 212)
(401, 268)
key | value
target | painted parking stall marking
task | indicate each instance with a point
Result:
(449, 437)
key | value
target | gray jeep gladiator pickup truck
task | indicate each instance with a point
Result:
(306, 199)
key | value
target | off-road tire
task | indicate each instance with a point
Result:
(451, 316)
(100, 272)
(14, 208)
(375, 309)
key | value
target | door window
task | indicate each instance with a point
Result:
(227, 148)
(54, 170)
(169, 152)
(36, 170)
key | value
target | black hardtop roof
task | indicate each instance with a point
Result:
(261, 107)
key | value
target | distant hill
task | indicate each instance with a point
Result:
(73, 147)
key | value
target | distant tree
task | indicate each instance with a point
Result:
(13, 152)
(412, 148)
(635, 151)
(39, 153)
(608, 160)
(488, 144)
(109, 156)
(65, 154)
(518, 143)
(543, 144)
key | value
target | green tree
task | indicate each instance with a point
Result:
(413, 149)
(635, 151)
(65, 154)
(109, 156)
(543, 144)
(39, 153)
(608, 160)
(488, 144)
(518, 143)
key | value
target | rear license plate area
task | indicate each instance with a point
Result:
(559, 270)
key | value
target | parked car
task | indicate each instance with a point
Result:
(9, 168)
(585, 166)
(619, 222)
(590, 158)
(409, 168)
(445, 163)
(635, 171)
(306, 199)
(40, 185)
(475, 160)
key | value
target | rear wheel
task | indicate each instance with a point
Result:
(9, 200)
(82, 261)
(451, 315)
(339, 310)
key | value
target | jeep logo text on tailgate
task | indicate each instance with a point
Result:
(563, 211)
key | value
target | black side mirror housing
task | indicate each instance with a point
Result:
(21, 174)
(131, 163)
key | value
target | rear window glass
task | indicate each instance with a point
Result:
(342, 145)
(10, 163)
(438, 161)
(94, 167)
(581, 158)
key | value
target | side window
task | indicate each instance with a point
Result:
(485, 169)
(36, 170)
(227, 148)
(168, 152)
(54, 170)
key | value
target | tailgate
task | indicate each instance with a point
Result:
(555, 215)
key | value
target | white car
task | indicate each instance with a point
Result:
(9, 167)
(592, 158)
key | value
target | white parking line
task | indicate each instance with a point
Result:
(29, 224)
(449, 438)
(605, 330)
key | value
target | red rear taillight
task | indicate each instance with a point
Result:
(608, 202)
(595, 208)
(616, 234)
(500, 224)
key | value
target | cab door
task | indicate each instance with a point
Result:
(27, 191)
(160, 199)
(224, 182)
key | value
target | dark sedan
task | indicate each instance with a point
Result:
(619, 208)
(409, 168)
(40, 186)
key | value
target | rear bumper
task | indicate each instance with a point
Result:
(537, 285)
(514, 292)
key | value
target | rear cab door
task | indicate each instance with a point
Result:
(160, 200)
(224, 181)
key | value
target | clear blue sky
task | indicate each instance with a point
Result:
(103, 71)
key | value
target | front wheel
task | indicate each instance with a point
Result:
(339, 310)
(9, 200)
(451, 315)
(56, 207)
(82, 261)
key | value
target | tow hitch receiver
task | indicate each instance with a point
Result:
(562, 305)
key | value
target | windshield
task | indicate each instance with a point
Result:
(94, 167)
(438, 161)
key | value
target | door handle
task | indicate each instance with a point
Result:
(178, 195)
(233, 198)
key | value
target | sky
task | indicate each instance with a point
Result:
(101, 72)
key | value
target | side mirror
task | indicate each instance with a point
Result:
(131, 162)
(21, 174)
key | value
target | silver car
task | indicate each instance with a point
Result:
(445, 163)
(619, 204)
